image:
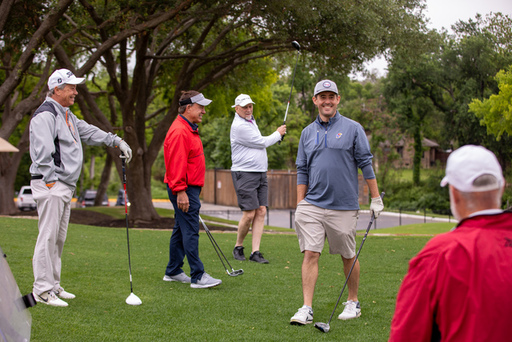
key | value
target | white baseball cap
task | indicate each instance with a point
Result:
(469, 162)
(326, 85)
(242, 100)
(63, 76)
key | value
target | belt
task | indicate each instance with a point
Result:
(37, 177)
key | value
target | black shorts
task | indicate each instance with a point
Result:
(251, 189)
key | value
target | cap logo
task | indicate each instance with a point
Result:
(59, 80)
(70, 74)
(327, 84)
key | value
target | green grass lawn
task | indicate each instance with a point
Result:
(405, 175)
(416, 229)
(117, 212)
(256, 306)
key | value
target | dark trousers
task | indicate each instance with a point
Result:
(185, 236)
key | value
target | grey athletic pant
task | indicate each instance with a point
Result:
(53, 209)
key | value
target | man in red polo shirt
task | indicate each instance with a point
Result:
(184, 176)
(459, 287)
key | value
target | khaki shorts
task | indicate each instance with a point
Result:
(313, 224)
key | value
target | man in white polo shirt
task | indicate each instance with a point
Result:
(249, 172)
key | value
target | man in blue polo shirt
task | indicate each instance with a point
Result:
(331, 150)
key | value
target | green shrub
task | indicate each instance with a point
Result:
(402, 194)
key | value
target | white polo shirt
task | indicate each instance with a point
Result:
(248, 146)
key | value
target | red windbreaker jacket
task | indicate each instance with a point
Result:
(459, 286)
(184, 156)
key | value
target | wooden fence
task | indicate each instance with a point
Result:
(282, 189)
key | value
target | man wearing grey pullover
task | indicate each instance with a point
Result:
(331, 150)
(56, 137)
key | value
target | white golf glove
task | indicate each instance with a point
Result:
(127, 151)
(376, 206)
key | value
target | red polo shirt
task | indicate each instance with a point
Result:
(184, 156)
(460, 284)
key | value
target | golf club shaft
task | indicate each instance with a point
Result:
(290, 96)
(353, 264)
(216, 246)
(126, 216)
(291, 90)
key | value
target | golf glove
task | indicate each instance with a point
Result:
(127, 151)
(376, 206)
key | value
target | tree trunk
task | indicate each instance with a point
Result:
(138, 186)
(9, 163)
(7, 206)
(105, 177)
(418, 152)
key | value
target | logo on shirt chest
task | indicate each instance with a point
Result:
(339, 135)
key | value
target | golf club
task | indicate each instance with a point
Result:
(132, 298)
(325, 327)
(296, 45)
(233, 272)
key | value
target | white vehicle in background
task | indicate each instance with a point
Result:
(25, 200)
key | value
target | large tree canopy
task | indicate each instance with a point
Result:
(150, 51)
(445, 77)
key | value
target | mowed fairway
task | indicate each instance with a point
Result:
(256, 306)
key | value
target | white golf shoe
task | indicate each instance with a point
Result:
(352, 310)
(61, 293)
(49, 298)
(303, 316)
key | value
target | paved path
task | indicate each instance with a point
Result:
(285, 218)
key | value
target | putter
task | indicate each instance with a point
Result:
(296, 45)
(325, 327)
(132, 298)
(233, 272)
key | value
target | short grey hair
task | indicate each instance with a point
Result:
(52, 91)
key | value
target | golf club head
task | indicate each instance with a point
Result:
(133, 300)
(323, 327)
(236, 273)
(296, 45)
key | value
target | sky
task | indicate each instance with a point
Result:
(445, 13)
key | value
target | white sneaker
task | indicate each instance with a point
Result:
(205, 282)
(182, 278)
(61, 293)
(352, 310)
(49, 298)
(303, 316)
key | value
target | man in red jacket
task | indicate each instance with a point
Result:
(459, 287)
(184, 176)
